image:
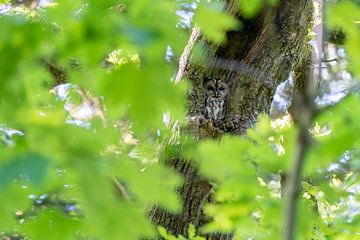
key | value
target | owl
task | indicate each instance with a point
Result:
(216, 93)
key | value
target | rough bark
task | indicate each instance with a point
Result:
(254, 61)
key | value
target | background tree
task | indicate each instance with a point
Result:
(255, 59)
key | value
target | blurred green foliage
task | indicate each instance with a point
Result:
(346, 16)
(215, 29)
(119, 50)
(98, 144)
(191, 234)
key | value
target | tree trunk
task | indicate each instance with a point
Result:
(254, 62)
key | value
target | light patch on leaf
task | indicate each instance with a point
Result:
(120, 57)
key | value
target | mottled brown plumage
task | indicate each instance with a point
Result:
(216, 93)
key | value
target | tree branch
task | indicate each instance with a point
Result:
(305, 111)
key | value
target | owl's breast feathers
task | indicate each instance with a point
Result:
(215, 108)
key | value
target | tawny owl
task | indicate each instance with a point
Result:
(216, 93)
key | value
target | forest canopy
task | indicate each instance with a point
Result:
(91, 111)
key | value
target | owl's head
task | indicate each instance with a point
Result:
(215, 88)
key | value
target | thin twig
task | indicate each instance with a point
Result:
(294, 183)
(330, 60)
(120, 188)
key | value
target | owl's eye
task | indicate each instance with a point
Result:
(221, 88)
(210, 88)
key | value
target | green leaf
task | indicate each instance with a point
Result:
(151, 184)
(273, 2)
(30, 167)
(103, 205)
(215, 29)
(343, 124)
(250, 8)
(51, 224)
(227, 216)
(307, 219)
(345, 14)
(137, 90)
(13, 198)
(163, 233)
